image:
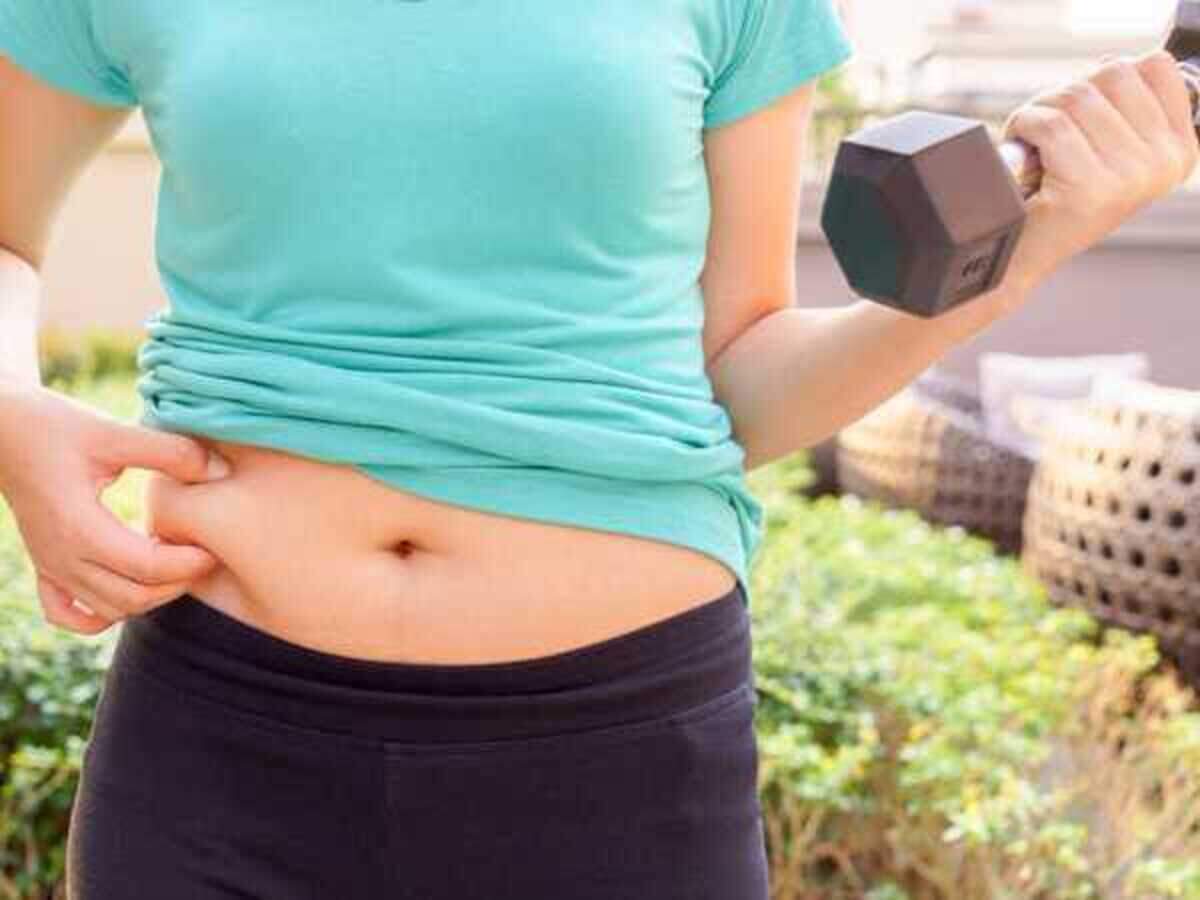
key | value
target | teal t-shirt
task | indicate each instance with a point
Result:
(455, 244)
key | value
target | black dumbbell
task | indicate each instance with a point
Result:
(924, 211)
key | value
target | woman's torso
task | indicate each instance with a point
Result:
(326, 557)
(470, 250)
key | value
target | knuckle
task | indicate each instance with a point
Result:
(1017, 123)
(1025, 122)
(1160, 62)
(184, 453)
(1078, 97)
(1053, 125)
(1120, 70)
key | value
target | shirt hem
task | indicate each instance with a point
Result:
(787, 78)
(57, 77)
(685, 513)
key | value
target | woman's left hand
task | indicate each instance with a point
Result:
(1110, 145)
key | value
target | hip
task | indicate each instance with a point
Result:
(226, 762)
(325, 556)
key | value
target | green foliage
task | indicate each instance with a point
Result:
(49, 684)
(69, 358)
(931, 727)
(836, 92)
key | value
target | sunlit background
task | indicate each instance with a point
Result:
(925, 51)
(885, 28)
(1118, 15)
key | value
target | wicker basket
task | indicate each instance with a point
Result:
(925, 449)
(1113, 521)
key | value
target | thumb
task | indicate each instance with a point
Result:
(176, 455)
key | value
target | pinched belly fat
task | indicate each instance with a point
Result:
(327, 557)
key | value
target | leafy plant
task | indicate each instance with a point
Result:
(69, 358)
(49, 684)
(931, 727)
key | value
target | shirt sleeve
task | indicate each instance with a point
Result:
(781, 44)
(57, 41)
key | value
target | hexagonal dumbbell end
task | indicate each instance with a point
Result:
(1184, 40)
(922, 213)
(1184, 44)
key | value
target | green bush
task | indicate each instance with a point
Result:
(49, 683)
(929, 725)
(71, 358)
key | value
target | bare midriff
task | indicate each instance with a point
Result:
(327, 557)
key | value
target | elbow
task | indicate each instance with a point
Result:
(30, 259)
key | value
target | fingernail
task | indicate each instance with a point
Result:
(218, 466)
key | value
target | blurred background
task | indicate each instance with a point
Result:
(975, 57)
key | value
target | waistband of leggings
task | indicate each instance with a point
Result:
(668, 666)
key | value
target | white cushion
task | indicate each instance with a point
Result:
(1048, 385)
(1138, 393)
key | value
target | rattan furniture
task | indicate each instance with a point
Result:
(1113, 520)
(926, 449)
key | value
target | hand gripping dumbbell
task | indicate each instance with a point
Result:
(924, 211)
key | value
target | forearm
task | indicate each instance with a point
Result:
(20, 298)
(799, 376)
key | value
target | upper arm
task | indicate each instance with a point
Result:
(754, 174)
(47, 138)
(63, 94)
(755, 120)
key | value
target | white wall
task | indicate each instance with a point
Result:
(99, 269)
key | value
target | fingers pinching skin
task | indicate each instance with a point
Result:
(91, 602)
(58, 609)
(140, 558)
(92, 568)
(178, 456)
(122, 597)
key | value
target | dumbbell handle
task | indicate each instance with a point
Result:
(1025, 164)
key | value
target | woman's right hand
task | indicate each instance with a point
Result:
(57, 456)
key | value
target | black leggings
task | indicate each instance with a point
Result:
(225, 762)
